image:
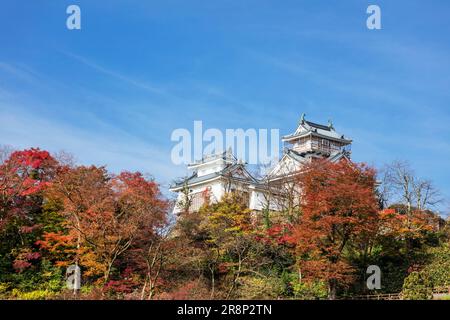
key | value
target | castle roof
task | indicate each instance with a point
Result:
(235, 171)
(307, 128)
(302, 156)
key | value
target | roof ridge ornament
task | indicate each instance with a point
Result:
(330, 124)
(302, 119)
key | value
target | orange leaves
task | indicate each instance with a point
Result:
(338, 206)
(322, 268)
(106, 212)
(339, 193)
(79, 214)
(405, 225)
(135, 193)
(54, 242)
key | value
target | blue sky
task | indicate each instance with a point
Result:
(113, 92)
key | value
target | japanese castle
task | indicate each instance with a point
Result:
(222, 173)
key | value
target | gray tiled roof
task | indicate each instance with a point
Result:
(194, 178)
(301, 156)
(319, 126)
(338, 156)
(308, 127)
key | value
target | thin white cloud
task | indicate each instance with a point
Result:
(18, 71)
(23, 129)
(119, 76)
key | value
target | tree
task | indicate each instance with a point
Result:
(106, 212)
(338, 206)
(151, 246)
(22, 175)
(412, 198)
(224, 228)
(185, 203)
(417, 286)
(149, 257)
(401, 185)
(232, 247)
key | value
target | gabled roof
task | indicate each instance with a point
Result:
(289, 160)
(300, 158)
(335, 157)
(307, 128)
(236, 172)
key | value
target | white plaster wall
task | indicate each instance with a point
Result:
(210, 168)
(302, 147)
(216, 193)
(258, 201)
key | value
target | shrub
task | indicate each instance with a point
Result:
(32, 295)
(417, 286)
(314, 290)
(4, 287)
(260, 288)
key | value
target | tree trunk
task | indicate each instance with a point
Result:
(108, 272)
(152, 290)
(235, 279)
(143, 289)
(332, 289)
(77, 257)
(212, 283)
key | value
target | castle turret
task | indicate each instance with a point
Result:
(314, 137)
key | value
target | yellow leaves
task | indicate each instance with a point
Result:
(226, 220)
(89, 260)
(33, 295)
(233, 229)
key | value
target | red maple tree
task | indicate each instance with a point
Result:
(339, 207)
(24, 174)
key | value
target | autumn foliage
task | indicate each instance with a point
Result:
(22, 175)
(118, 228)
(339, 207)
